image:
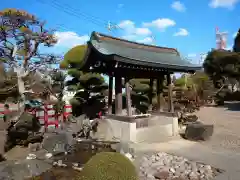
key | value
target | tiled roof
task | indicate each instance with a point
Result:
(140, 54)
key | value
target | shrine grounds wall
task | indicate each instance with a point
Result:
(154, 128)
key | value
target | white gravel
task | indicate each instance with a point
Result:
(164, 166)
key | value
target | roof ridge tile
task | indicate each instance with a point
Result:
(104, 37)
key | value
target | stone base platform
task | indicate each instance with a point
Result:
(155, 128)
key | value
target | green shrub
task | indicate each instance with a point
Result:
(108, 166)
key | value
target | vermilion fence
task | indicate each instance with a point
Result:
(46, 114)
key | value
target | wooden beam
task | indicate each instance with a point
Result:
(128, 97)
(170, 94)
(150, 94)
(110, 92)
(118, 95)
(160, 94)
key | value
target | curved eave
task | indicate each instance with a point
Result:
(158, 65)
(116, 57)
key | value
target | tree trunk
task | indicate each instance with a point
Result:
(21, 86)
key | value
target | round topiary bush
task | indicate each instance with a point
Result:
(108, 166)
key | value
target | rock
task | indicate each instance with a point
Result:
(208, 167)
(48, 155)
(201, 170)
(33, 147)
(158, 164)
(168, 167)
(56, 143)
(161, 174)
(193, 176)
(153, 158)
(161, 154)
(77, 168)
(181, 168)
(34, 138)
(194, 167)
(31, 156)
(59, 163)
(129, 156)
(144, 158)
(208, 176)
(2, 158)
(172, 170)
(197, 131)
(183, 177)
(150, 171)
(146, 164)
(17, 170)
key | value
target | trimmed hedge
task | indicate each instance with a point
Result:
(108, 166)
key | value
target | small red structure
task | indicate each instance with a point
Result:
(67, 111)
(45, 114)
(50, 118)
(54, 118)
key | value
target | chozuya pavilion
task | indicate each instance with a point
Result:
(125, 59)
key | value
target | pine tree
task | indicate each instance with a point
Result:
(89, 87)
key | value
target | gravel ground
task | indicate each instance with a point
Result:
(226, 122)
(169, 167)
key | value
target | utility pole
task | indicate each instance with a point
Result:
(111, 27)
(201, 57)
(153, 40)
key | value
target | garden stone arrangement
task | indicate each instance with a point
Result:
(163, 166)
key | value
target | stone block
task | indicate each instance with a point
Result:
(198, 131)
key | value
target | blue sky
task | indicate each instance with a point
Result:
(186, 25)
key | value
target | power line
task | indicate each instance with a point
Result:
(109, 23)
(110, 26)
(71, 11)
(84, 13)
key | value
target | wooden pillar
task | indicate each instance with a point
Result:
(150, 94)
(128, 97)
(118, 95)
(110, 92)
(170, 94)
(160, 94)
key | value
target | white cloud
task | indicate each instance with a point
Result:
(191, 55)
(223, 3)
(178, 6)
(193, 58)
(142, 31)
(126, 24)
(235, 34)
(133, 33)
(181, 32)
(70, 39)
(129, 37)
(130, 28)
(161, 23)
(147, 40)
